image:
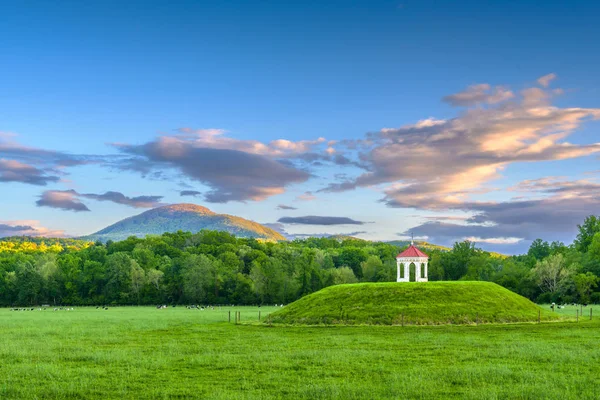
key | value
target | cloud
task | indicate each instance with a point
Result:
(193, 193)
(279, 227)
(319, 220)
(61, 199)
(546, 79)
(120, 198)
(441, 164)
(478, 94)
(559, 186)
(48, 159)
(493, 240)
(553, 216)
(323, 235)
(306, 196)
(27, 228)
(35, 166)
(69, 200)
(232, 174)
(444, 217)
(15, 171)
(216, 139)
(284, 207)
(234, 169)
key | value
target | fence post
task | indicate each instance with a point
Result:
(402, 319)
(229, 315)
(577, 316)
(239, 316)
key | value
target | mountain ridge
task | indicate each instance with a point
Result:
(184, 217)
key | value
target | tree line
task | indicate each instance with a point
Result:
(211, 267)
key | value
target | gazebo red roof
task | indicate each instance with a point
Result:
(412, 251)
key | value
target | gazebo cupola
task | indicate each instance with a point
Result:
(412, 255)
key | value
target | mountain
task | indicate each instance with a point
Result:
(430, 246)
(419, 244)
(184, 217)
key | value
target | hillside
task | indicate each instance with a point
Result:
(421, 244)
(430, 246)
(184, 217)
(392, 303)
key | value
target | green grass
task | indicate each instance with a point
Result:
(430, 303)
(131, 353)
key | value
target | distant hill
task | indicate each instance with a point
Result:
(184, 217)
(430, 246)
(419, 244)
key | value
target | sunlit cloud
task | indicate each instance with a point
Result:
(493, 240)
(69, 200)
(62, 199)
(319, 220)
(27, 228)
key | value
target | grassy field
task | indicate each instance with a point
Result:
(178, 353)
(431, 303)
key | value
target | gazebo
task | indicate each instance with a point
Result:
(412, 255)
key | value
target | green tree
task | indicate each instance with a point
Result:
(138, 279)
(371, 268)
(343, 275)
(480, 267)
(118, 274)
(549, 273)
(589, 228)
(539, 249)
(459, 258)
(585, 285)
(198, 278)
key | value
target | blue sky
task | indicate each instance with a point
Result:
(78, 78)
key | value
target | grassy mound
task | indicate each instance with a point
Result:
(425, 303)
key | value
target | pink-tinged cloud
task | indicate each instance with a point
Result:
(15, 171)
(62, 199)
(479, 94)
(546, 79)
(216, 139)
(441, 164)
(70, 200)
(27, 228)
(554, 214)
(306, 196)
(235, 170)
(120, 198)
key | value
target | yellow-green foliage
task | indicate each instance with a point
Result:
(33, 245)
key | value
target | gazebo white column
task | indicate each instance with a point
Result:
(399, 265)
(412, 255)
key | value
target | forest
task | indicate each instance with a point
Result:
(211, 267)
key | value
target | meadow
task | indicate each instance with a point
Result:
(177, 353)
